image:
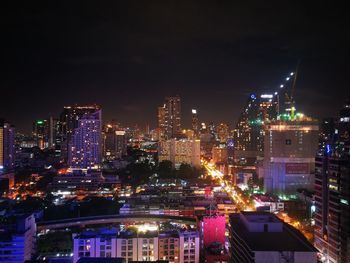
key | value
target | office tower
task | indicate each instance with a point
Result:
(180, 151)
(41, 133)
(174, 246)
(289, 154)
(332, 193)
(85, 147)
(17, 239)
(121, 143)
(69, 121)
(195, 124)
(7, 145)
(262, 237)
(169, 117)
(249, 132)
(114, 142)
(222, 132)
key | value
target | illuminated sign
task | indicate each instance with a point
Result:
(194, 111)
(266, 96)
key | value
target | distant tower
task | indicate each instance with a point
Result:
(169, 117)
(7, 145)
(85, 147)
(161, 122)
(195, 123)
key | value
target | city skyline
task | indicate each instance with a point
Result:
(100, 55)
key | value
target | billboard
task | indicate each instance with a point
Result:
(297, 168)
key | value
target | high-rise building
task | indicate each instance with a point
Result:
(180, 151)
(169, 117)
(114, 142)
(195, 124)
(332, 193)
(69, 121)
(7, 145)
(259, 237)
(250, 130)
(85, 147)
(289, 154)
(41, 133)
(18, 238)
(161, 122)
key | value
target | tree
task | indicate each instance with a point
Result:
(185, 171)
(165, 169)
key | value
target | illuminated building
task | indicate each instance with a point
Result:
(85, 147)
(145, 245)
(41, 133)
(180, 151)
(213, 230)
(222, 132)
(289, 154)
(161, 122)
(69, 121)
(169, 118)
(77, 180)
(195, 123)
(262, 237)
(230, 150)
(114, 142)
(7, 145)
(249, 132)
(219, 154)
(17, 239)
(332, 193)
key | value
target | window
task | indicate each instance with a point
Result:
(288, 142)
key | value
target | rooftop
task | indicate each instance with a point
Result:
(289, 239)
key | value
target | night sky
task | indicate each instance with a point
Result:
(128, 55)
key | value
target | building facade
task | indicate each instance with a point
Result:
(85, 147)
(332, 192)
(17, 240)
(169, 117)
(7, 145)
(174, 247)
(180, 151)
(289, 154)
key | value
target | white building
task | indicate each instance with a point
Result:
(176, 247)
(17, 239)
(261, 237)
(180, 151)
(289, 155)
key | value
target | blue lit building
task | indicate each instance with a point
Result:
(85, 147)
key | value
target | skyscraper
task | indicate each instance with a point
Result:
(249, 132)
(7, 145)
(41, 133)
(85, 147)
(161, 122)
(195, 124)
(169, 117)
(69, 121)
(332, 193)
